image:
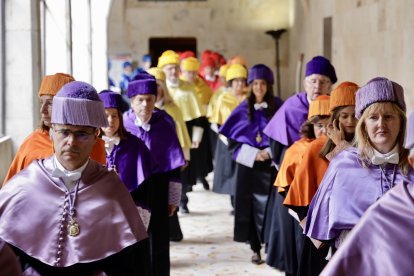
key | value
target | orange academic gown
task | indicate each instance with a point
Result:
(308, 175)
(38, 145)
(291, 160)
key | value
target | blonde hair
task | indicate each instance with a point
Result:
(362, 141)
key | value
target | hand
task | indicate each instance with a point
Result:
(171, 210)
(265, 154)
(262, 155)
(195, 145)
(259, 157)
(337, 135)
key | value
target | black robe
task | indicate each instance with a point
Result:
(132, 260)
(224, 181)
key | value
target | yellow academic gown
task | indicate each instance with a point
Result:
(185, 99)
(180, 126)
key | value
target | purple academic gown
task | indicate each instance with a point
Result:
(346, 192)
(250, 200)
(161, 140)
(167, 158)
(132, 161)
(32, 213)
(285, 125)
(382, 242)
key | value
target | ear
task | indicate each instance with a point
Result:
(97, 132)
(411, 160)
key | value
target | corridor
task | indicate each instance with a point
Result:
(208, 247)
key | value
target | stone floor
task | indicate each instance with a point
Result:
(208, 247)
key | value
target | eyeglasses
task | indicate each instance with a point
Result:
(315, 82)
(78, 135)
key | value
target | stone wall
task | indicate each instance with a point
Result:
(369, 38)
(231, 27)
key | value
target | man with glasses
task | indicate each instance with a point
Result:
(67, 214)
(38, 144)
(283, 130)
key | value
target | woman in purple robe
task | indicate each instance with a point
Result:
(125, 154)
(357, 177)
(370, 249)
(250, 146)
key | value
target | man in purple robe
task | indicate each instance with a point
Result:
(157, 130)
(283, 130)
(284, 127)
(67, 214)
(381, 243)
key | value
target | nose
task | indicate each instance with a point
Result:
(144, 103)
(70, 140)
(381, 121)
(43, 108)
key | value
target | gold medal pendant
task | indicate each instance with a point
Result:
(258, 138)
(73, 228)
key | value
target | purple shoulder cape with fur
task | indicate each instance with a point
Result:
(285, 125)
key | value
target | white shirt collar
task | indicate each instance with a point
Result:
(172, 84)
(60, 166)
(68, 177)
(392, 157)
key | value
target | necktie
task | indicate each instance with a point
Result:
(144, 126)
(379, 160)
(258, 106)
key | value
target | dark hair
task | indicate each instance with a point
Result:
(43, 127)
(122, 132)
(268, 98)
(231, 81)
(330, 145)
(306, 130)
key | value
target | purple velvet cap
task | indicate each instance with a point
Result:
(409, 135)
(322, 66)
(77, 103)
(142, 84)
(260, 71)
(378, 90)
(110, 99)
